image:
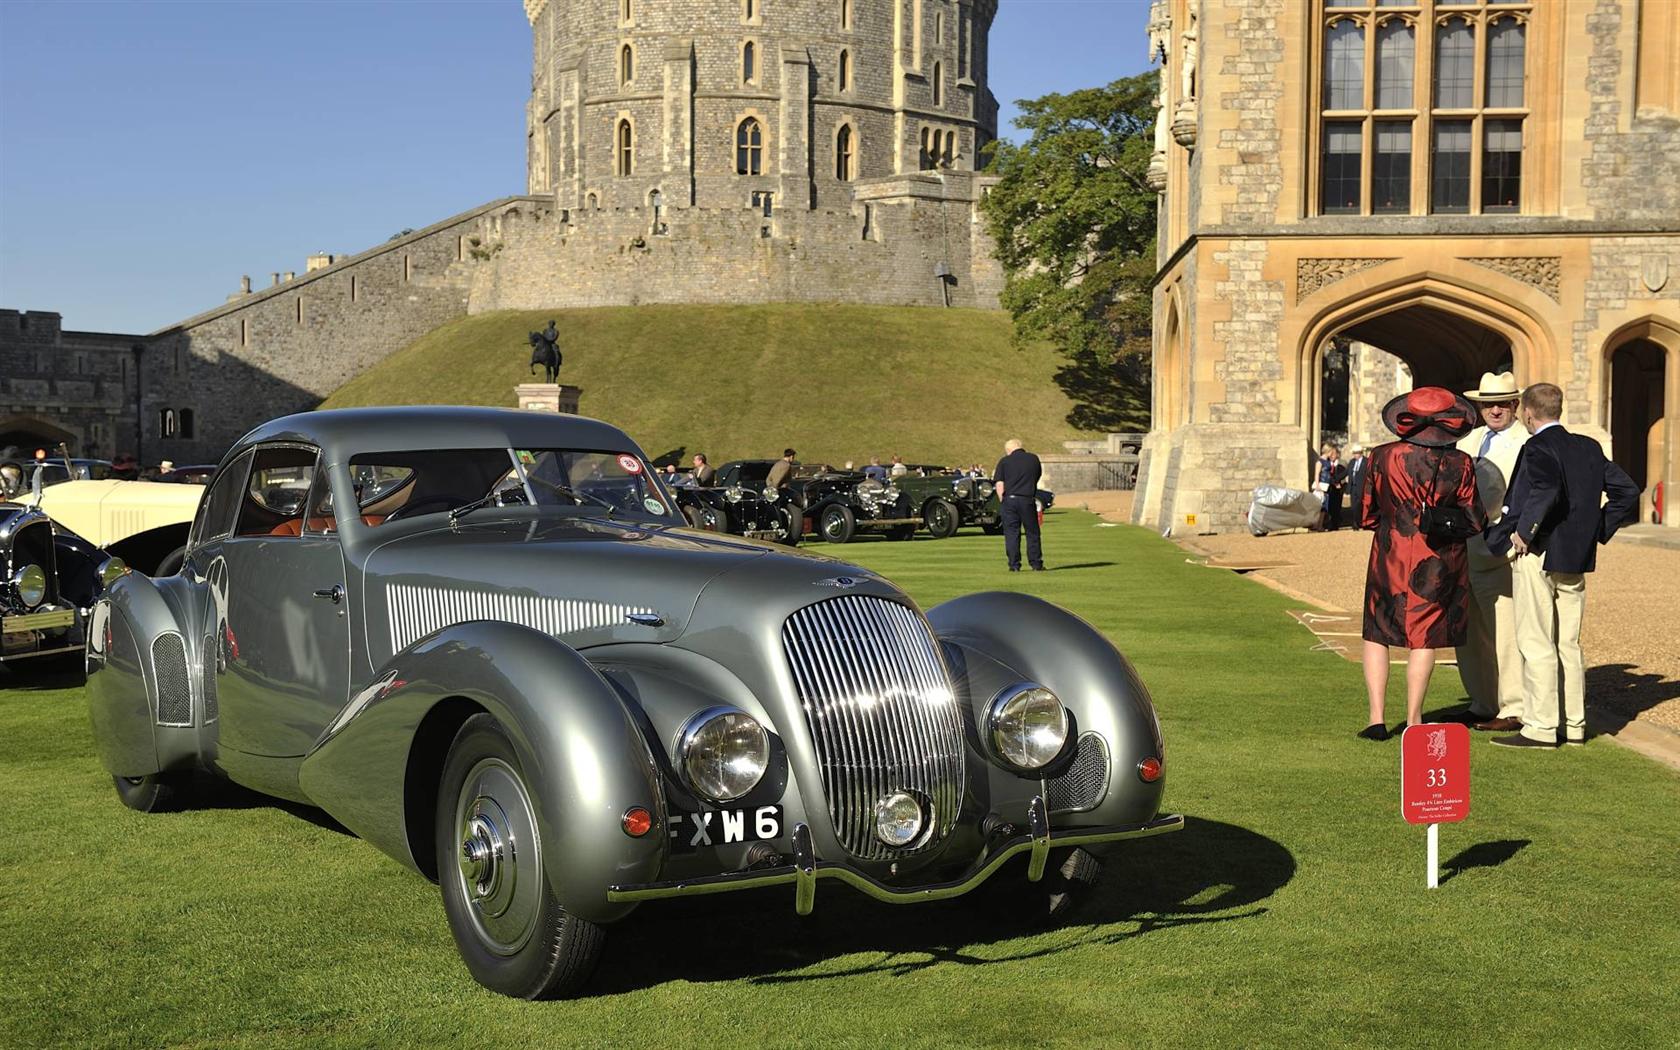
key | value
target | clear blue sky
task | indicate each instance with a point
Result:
(152, 152)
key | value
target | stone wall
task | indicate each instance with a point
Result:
(884, 249)
(1631, 170)
(58, 385)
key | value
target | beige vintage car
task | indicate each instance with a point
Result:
(145, 523)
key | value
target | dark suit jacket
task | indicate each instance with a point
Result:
(1554, 502)
(1357, 470)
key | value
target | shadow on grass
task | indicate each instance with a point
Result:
(1482, 855)
(1082, 565)
(213, 792)
(42, 673)
(1210, 872)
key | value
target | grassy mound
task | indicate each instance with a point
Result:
(835, 382)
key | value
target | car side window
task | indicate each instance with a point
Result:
(216, 510)
(278, 490)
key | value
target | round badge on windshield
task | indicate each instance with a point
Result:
(631, 464)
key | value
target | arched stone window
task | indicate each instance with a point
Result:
(624, 149)
(749, 10)
(625, 11)
(749, 63)
(948, 155)
(749, 147)
(845, 14)
(844, 154)
(844, 79)
(626, 64)
(938, 84)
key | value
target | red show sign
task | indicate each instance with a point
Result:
(1435, 773)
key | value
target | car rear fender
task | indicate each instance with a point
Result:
(997, 638)
(584, 759)
(144, 695)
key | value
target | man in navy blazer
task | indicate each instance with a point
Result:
(1555, 517)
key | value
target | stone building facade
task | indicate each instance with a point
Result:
(833, 162)
(1461, 186)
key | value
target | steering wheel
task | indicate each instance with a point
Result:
(411, 508)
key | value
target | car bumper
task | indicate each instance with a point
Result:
(806, 869)
(38, 634)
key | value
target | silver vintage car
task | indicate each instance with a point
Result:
(487, 642)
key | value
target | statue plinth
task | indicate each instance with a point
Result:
(1184, 124)
(547, 397)
(1156, 176)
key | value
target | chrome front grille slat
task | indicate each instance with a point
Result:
(878, 702)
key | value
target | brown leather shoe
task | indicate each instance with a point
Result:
(1499, 725)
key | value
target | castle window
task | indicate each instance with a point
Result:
(843, 152)
(1344, 66)
(300, 309)
(1430, 123)
(749, 62)
(353, 288)
(626, 65)
(244, 331)
(408, 267)
(845, 14)
(948, 157)
(1505, 64)
(925, 154)
(184, 424)
(624, 149)
(749, 147)
(625, 11)
(938, 84)
(938, 27)
(592, 202)
(845, 77)
(1455, 65)
(749, 10)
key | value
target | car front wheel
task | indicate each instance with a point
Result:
(837, 524)
(509, 928)
(155, 792)
(940, 517)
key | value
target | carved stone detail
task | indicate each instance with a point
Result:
(1542, 271)
(1313, 274)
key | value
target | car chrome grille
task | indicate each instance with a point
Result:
(1084, 783)
(881, 712)
(208, 678)
(418, 611)
(174, 684)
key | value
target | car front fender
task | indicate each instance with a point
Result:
(143, 722)
(583, 758)
(997, 638)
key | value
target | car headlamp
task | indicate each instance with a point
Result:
(1027, 727)
(899, 820)
(732, 494)
(111, 570)
(723, 753)
(30, 583)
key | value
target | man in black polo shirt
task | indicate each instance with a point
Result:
(1016, 479)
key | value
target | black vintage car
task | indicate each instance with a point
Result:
(739, 502)
(942, 499)
(51, 577)
(835, 504)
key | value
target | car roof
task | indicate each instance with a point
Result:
(345, 432)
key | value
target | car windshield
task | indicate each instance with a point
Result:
(395, 485)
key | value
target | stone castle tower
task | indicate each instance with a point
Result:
(740, 103)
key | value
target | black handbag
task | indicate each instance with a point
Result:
(1449, 523)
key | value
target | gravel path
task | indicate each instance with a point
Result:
(1630, 634)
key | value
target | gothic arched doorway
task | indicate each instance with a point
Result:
(20, 436)
(1640, 392)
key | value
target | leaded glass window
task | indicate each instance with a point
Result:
(1342, 154)
(843, 153)
(1501, 165)
(1391, 168)
(1396, 56)
(1344, 66)
(749, 147)
(1505, 64)
(1449, 190)
(1455, 65)
(625, 152)
(749, 62)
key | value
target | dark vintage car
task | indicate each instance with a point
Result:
(51, 577)
(836, 504)
(740, 503)
(486, 642)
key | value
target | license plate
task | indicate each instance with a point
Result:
(724, 827)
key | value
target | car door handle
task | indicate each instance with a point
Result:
(334, 594)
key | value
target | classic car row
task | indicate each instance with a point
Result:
(488, 643)
(836, 505)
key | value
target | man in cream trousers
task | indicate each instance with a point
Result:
(1490, 661)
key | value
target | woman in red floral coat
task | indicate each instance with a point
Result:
(1417, 589)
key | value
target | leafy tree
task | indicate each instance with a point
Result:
(1074, 223)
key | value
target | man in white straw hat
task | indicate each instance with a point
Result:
(1490, 662)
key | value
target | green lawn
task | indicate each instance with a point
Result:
(836, 382)
(1291, 911)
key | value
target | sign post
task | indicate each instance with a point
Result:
(1435, 781)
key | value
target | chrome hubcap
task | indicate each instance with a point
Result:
(499, 859)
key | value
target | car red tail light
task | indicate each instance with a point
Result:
(1149, 770)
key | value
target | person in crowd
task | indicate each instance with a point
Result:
(898, 467)
(781, 471)
(1358, 468)
(1016, 481)
(1417, 586)
(1565, 499)
(1329, 479)
(974, 471)
(875, 472)
(704, 475)
(125, 466)
(1489, 661)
